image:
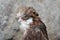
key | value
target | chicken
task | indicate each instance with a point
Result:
(31, 24)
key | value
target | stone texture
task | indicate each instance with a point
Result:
(49, 11)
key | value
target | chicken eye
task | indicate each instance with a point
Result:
(25, 17)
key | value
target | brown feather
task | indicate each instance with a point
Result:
(37, 30)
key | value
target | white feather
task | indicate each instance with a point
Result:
(24, 25)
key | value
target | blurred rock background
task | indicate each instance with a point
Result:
(49, 11)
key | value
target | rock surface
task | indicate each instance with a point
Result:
(49, 11)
